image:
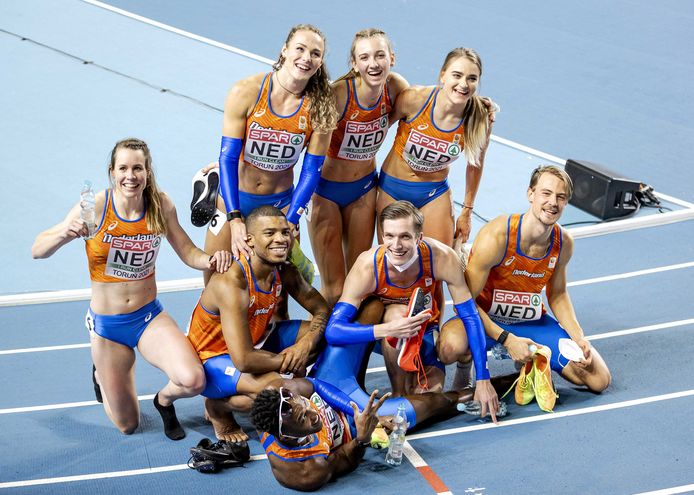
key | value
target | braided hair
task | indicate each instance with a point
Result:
(265, 411)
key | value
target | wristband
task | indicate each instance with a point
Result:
(502, 337)
(468, 206)
(233, 215)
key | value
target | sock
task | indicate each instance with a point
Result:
(97, 388)
(172, 428)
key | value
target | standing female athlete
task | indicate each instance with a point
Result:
(437, 125)
(124, 311)
(343, 209)
(268, 120)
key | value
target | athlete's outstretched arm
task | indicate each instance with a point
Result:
(72, 227)
(182, 244)
(560, 301)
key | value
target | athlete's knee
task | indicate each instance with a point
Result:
(191, 380)
(450, 351)
(600, 380)
(128, 427)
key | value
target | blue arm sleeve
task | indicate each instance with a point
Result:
(308, 181)
(342, 331)
(467, 311)
(335, 397)
(229, 171)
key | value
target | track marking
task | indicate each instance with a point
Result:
(197, 284)
(597, 336)
(44, 349)
(552, 416)
(411, 454)
(112, 474)
(669, 491)
(180, 32)
(425, 470)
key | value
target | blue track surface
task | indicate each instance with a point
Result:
(595, 81)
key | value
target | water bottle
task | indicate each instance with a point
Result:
(474, 408)
(397, 437)
(88, 205)
(500, 352)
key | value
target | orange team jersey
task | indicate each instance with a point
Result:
(513, 292)
(425, 147)
(274, 142)
(392, 294)
(205, 327)
(335, 432)
(360, 130)
(121, 250)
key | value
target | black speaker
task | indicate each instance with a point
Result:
(600, 191)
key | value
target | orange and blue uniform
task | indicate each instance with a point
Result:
(390, 293)
(122, 251)
(206, 336)
(358, 137)
(274, 142)
(512, 295)
(336, 430)
(425, 148)
(360, 130)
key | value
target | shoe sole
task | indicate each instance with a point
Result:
(204, 202)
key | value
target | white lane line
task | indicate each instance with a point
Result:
(529, 150)
(64, 405)
(597, 336)
(556, 415)
(180, 32)
(617, 333)
(637, 273)
(99, 476)
(43, 349)
(669, 491)
(647, 328)
(197, 284)
(419, 436)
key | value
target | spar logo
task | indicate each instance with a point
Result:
(131, 257)
(271, 149)
(429, 154)
(515, 306)
(362, 140)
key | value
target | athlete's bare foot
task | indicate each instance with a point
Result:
(222, 419)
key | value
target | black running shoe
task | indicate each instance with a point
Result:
(204, 203)
(208, 457)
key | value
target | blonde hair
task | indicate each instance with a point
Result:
(152, 195)
(402, 209)
(559, 173)
(364, 34)
(475, 114)
(320, 94)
